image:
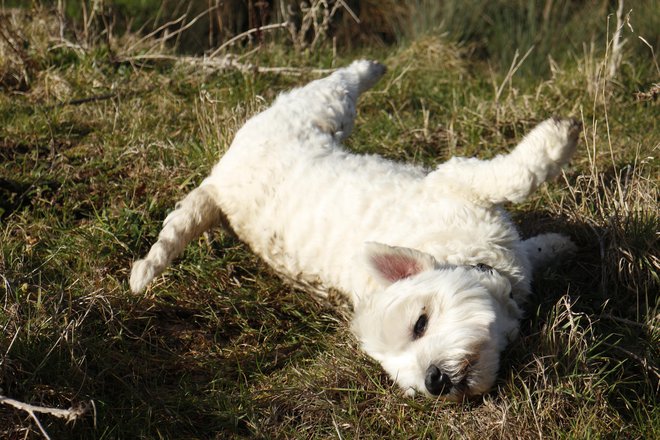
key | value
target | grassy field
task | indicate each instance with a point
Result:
(100, 135)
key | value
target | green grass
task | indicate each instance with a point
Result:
(219, 347)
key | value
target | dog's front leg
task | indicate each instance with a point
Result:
(196, 213)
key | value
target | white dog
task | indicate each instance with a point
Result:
(434, 268)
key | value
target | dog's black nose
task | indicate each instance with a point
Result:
(483, 267)
(437, 382)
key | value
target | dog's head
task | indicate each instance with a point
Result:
(436, 329)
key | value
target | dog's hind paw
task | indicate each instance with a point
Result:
(369, 72)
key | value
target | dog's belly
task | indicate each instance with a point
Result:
(309, 215)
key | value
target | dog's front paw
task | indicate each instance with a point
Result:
(142, 273)
(561, 135)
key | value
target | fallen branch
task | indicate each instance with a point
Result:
(231, 63)
(227, 62)
(69, 415)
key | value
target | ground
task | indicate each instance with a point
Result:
(97, 143)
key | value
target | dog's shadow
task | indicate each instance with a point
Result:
(586, 322)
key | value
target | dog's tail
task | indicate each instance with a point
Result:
(196, 213)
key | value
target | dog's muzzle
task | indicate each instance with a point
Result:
(437, 382)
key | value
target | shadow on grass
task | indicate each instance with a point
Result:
(586, 328)
(179, 365)
(222, 348)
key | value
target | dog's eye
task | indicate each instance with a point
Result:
(420, 326)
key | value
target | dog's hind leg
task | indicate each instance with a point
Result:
(196, 213)
(514, 176)
(330, 102)
(326, 104)
(543, 249)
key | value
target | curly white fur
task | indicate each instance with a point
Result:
(411, 248)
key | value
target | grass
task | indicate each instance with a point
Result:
(219, 347)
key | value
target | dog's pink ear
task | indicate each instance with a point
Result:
(391, 263)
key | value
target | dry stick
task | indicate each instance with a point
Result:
(349, 10)
(87, 20)
(655, 61)
(246, 34)
(321, 29)
(69, 415)
(178, 34)
(228, 62)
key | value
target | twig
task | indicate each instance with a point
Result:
(70, 415)
(246, 34)
(349, 10)
(228, 62)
